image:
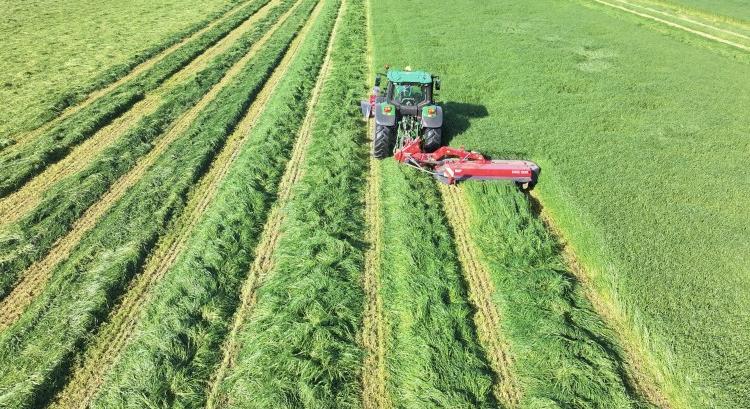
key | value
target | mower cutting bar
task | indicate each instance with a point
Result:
(451, 165)
(514, 170)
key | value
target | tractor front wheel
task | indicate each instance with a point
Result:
(433, 139)
(383, 142)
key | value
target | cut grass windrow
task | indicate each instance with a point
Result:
(433, 356)
(648, 380)
(481, 292)
(76, 99)
(38, 349)
(117, 333)
(564, 355)
(299, 345)
(66, 214)
(147, 118)
(268, 243)
(20, 163)
(374, 394)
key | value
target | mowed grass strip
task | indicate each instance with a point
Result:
(177, 346)
(268, 241)
(104, 350)
(19, 203)
(433, 357)
(32, 236)
(36, 352)
(299, 346)
(564, 355)
(72, 100)
(374, 394)
(20, 163)
(56, 54)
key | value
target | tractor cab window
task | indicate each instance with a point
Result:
(408, 94)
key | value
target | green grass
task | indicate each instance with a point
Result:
(564, 356)
(31, 237)
(642, 139)
(36, 351)
(19, 164)
(734, 9)
(299, 345)
(432, 355)
(178, 343)
(53, 53)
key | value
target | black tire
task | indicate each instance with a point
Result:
(383, 142)
(433, 139)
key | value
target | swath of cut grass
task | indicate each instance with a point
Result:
(564, 354)
(299, 345)
(177, 345)
(432, 354)
(31, 237)
(54, 54)
(38, 349)
(20, 163)
(75, 99)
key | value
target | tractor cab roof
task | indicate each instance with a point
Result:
(419, 77)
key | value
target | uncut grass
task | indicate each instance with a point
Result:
(732, 9)
(20, 164)
(299, 346)
(31, 237)
(36, 352)
(177, 345)
(564, 354)
(433, 358)
(623, 121)
(53, 53)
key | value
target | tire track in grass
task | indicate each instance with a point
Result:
(487, 318)
(648, 381)
(263, 262)
(19, 203)
(684, 19)
(115, 336)
(675, 25)
(24, 137)
(374, 393)
(34, 278)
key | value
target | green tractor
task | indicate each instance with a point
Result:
(405, 113)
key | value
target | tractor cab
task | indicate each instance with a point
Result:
(409, 91)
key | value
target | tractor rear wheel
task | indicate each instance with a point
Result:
(433, 139)
(383, 142)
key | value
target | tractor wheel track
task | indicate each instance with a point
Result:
(481, 290)
(22, 201)
(268, 243)
(685, 19)
(24, 137)
(374, 393)
(36, 276)
(116, 335)
(673, 25)
(641, 372)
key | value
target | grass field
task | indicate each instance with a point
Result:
(54, 51)
(625, 148)
(733, 9)
(189, 216)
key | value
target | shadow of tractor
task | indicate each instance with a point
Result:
(457, 117)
